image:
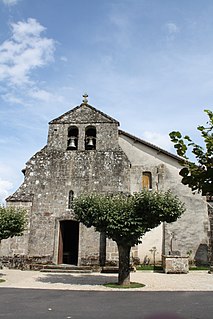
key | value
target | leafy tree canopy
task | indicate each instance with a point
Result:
(12, 222)
(125, 218)
(197, 175)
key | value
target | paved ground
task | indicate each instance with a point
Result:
(76, 296)
(193, 281)
(61, 304)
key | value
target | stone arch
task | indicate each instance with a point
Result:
(90, 138)
(72, 138)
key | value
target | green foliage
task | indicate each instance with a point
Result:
(131, 285)
(199, 268)
(198, 176)
(12, 222)
(125, 218)
(156, 268)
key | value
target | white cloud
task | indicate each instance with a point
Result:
(25, 51)
(122, 30)
(119, 20)
(10, 2)
(64, 58)
(172, 28)
(12, 99)
(31, 94)
(3, 141)
(43, 95)
(158, 139)
(5, 187)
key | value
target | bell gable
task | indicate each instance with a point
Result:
(84, 113)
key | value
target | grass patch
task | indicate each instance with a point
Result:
(149, 267)
(2, 280)
(160, 268)
(132, 285)
(199, 268)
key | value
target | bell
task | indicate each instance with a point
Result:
(90, 141)
(71, 142)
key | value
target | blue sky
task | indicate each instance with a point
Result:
(147, 63)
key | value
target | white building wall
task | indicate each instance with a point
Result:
(152, 239)
(190, 232)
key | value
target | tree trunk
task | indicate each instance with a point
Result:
(102, 253)
(124, 265)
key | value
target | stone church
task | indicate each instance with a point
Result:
(87, 152)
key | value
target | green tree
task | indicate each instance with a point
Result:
(198, 175)
(12, 222)
(125, 218)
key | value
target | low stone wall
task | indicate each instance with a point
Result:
(175, 264)
(24, 262)
(38, 262)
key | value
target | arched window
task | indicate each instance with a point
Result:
(90, 138)
(70, 200)
(72, 138)
(147, 180)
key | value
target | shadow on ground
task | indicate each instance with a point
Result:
(77, 280)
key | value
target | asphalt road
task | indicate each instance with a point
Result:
(58, 304)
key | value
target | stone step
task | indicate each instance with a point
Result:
(65, 268)
(109, 270)
(65, 271)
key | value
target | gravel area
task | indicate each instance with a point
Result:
(193, 281)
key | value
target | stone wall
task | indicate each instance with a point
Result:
(54, 171)
(115, 165)
(175, 264)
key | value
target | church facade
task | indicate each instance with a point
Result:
(87, 152)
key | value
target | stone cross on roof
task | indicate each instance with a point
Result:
(85, 96)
